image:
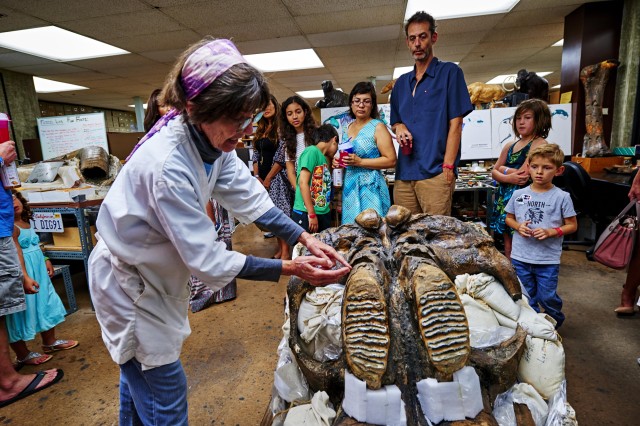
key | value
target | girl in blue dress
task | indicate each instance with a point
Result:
(364, 184)
(44, 307)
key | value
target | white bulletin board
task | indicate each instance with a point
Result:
(60, 135)
(476, 135)
(502, 129)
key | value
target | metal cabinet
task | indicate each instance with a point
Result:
(81, 213)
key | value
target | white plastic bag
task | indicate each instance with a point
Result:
(522, 393)
(288, 379)
(485, 337)
(560, 412)
(319, 322)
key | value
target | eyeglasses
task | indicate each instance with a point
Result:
(242, 123)
(357, 101)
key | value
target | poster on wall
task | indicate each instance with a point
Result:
(502, 128)
(476, 135)
(60, 135)
(560, 132)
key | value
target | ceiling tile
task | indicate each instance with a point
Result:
(163, 56)
(167, 40)
(112, 27)
(273, 45)
(51, 68)
(284, 27)
(13, 20)
(227, 12)
(312, 7)
(18, 59)
(351, 19)
(365, 35)
(527, 18)
(113, 62)
(54, 11)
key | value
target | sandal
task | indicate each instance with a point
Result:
(34, 358)
(33, 386)
(60, 345)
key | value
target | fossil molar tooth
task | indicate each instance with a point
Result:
(365, 326)
(369, 219)
(398, 215)
(441, 318)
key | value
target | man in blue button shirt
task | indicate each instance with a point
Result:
(427, 107)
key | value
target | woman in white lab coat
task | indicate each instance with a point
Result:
(154, 232)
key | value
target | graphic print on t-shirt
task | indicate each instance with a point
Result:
(535, 209)
(320, 189)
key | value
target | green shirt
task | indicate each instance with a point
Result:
(314, 160)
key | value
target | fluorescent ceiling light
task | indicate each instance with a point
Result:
(49, 86)
(310, 94)
(285, 61)
(558, 43)
(56, 44)
(557, 86)
(499, 79)
(458, 8)
(133, 106)
(398, 71)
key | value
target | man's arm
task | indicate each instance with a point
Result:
(453, 145)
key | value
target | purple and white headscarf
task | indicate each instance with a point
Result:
(200, 69)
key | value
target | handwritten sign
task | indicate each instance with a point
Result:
(60, 135)
(47, 222)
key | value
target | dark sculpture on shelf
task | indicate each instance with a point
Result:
(332, 97)
(533, 85)
(594, 78)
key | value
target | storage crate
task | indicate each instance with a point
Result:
(597, 164)
(70, 238)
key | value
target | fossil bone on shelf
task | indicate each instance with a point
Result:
(402, 319)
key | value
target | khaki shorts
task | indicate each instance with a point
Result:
(11, 290)
(431, 195)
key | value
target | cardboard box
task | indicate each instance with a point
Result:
(597, 164)
(70, 238)
(59, 195)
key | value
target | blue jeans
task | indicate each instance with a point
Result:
(541, 282)
(153, 397)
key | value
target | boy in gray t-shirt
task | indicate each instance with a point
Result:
(541, 214)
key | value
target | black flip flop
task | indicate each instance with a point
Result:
(31, 387)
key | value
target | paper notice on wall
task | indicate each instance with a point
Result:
(60, 135)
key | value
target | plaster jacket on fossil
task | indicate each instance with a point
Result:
(402, 318)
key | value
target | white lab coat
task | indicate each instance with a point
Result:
(153, 233)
